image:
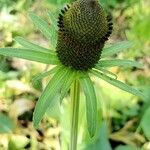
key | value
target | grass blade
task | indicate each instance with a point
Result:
(70, 77)
(25, 43)
(42, 25)
(32, 55)
(91, 104)
(118, 84)
(119, 62)
(48, 96)
(115, 48)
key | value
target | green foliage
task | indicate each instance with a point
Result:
(54, 28)
(101, 142)
(48, 95)
(91, 104)
(107, 4)
(70, 77)
(118, 84)
(106, 72)
(139, 31)
(116, 48)
(30, 55)
(6, 124)
(53, 21)
(25, 43)
(119, 63)
(59, 2)
(140, 22)
(41, 25)
(19, 4)
(145, 123)
(42, 75)
(117, 3)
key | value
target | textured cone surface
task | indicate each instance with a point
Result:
(84, 28)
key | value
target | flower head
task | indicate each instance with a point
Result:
(83, 30)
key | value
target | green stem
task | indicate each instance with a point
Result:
(75, 94)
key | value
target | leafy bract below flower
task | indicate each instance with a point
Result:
(79, 39)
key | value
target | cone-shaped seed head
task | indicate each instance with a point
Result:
(86, 21)
(84, 28)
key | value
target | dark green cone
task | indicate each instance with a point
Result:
(83, 30)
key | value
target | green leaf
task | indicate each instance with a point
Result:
(53, 20)
(43, 75)
(36, 80)
(6, 124)
(54, 28)
(118, 84)
(55, 110)
(102, 142)
(54, 38)
(32, 55)
(115, 48)
(119, 62)
(25, 43)
(48, 95)
(106, 71)
(145, 123)
(70, 77)
(91, 104)
(42, 25)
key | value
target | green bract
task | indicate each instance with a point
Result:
(64, 76)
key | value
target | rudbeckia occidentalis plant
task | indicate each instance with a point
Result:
(79, 38)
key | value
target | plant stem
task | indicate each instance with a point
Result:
(75, 94)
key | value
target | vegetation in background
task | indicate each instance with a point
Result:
(126, 116)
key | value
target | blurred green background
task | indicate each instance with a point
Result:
(126, 124)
